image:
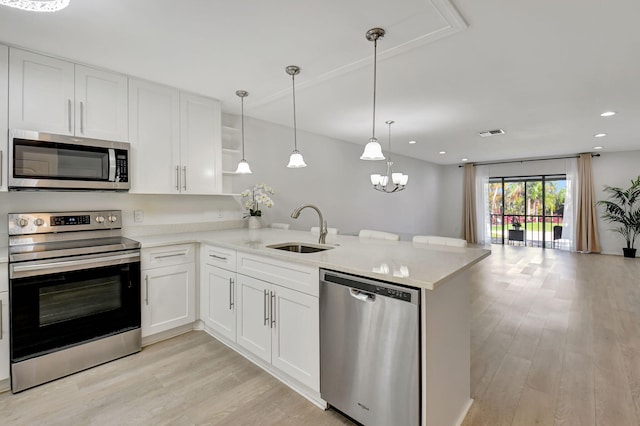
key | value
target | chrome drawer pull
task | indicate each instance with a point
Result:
(217, 257)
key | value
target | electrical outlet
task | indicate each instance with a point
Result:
(138, 216)
(220, 213)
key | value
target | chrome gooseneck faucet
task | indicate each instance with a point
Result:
(323, 223)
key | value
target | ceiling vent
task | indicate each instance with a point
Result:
(488, 133)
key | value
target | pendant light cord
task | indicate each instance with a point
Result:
(375, 52)
(389, 153)
(295, 138)
(242, 108)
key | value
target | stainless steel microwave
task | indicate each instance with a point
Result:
(44, 161)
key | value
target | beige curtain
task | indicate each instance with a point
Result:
(586, 222)
(469, 224)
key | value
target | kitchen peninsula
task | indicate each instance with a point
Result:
(439, 272)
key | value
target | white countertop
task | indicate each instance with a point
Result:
(401, 262)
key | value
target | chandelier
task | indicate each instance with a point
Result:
(390, 181)
(37, 5)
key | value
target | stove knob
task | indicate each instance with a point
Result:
(22, 222)
(100, 219)
(113, 219)
(39, 222)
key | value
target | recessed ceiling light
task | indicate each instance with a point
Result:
(600, 135)
(464, 160)
(442, 152)
(597, 147)
(608, 114)
(412, 142)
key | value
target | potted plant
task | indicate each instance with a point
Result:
(515, 222)
(623, 209)
(259, 194)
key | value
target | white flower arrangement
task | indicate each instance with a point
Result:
(260, 194)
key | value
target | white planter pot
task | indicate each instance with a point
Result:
(254, 222)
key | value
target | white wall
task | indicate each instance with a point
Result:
(450, 211)
(338, 182)
(158, 209)
(613, 169)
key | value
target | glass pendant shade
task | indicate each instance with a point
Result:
(296, 160)
(243, 167)
(37, 5)
(372, 151)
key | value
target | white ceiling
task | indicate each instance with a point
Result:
(541, 70)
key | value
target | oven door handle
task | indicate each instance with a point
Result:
(48, 268)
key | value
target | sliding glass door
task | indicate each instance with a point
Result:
(527, 210)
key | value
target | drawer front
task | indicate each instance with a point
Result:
(158, 257)
(297, 277)
(219, 257)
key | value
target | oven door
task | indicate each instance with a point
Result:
(58, 303)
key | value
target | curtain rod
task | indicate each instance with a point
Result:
(525, 161)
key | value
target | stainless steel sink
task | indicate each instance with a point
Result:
(300, 247)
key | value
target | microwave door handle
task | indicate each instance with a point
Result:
(112, 165)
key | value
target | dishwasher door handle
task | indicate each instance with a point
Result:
(361, 295)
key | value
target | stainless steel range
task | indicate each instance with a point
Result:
(74, 285)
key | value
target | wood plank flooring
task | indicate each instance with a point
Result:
(555, 340)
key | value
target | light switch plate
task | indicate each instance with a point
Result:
(138, 215)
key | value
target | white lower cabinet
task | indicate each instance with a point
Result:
(4, 322)
(168, 288)
(217, 300)
(280, 326)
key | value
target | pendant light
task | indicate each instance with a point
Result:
(243, 166)
(37, 5)
(295, 160)
(390, 181)
(373, 150)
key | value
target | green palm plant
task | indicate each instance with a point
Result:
(623, 209)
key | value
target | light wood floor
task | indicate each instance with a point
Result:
(555, 340)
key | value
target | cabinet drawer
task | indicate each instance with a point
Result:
(291, 275)
(220, 257)
(168, 255)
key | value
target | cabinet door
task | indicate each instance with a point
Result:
(200, 145)
(41, 93)
(217, 300)
(101, 104)
(296, 336)
(154, 134)
(253, 332)
(4, 334)
(168, 296)
(4, 96)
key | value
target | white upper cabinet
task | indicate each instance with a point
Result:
(41, 93)
(4, 96)
(101, 104)
(200, 145)
(154, 134)
(51, 95)
(176, 141)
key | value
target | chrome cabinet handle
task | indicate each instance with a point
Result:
(0, 167)
(177, 178)
(184, 171)
(69, 114)
(231, 294)
(264, 305)
(273, 309)
(82, 117)
(1, 324)
(217, 257)
(146, 290)
(169, 255)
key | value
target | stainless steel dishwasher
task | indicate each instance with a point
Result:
(370, 349)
